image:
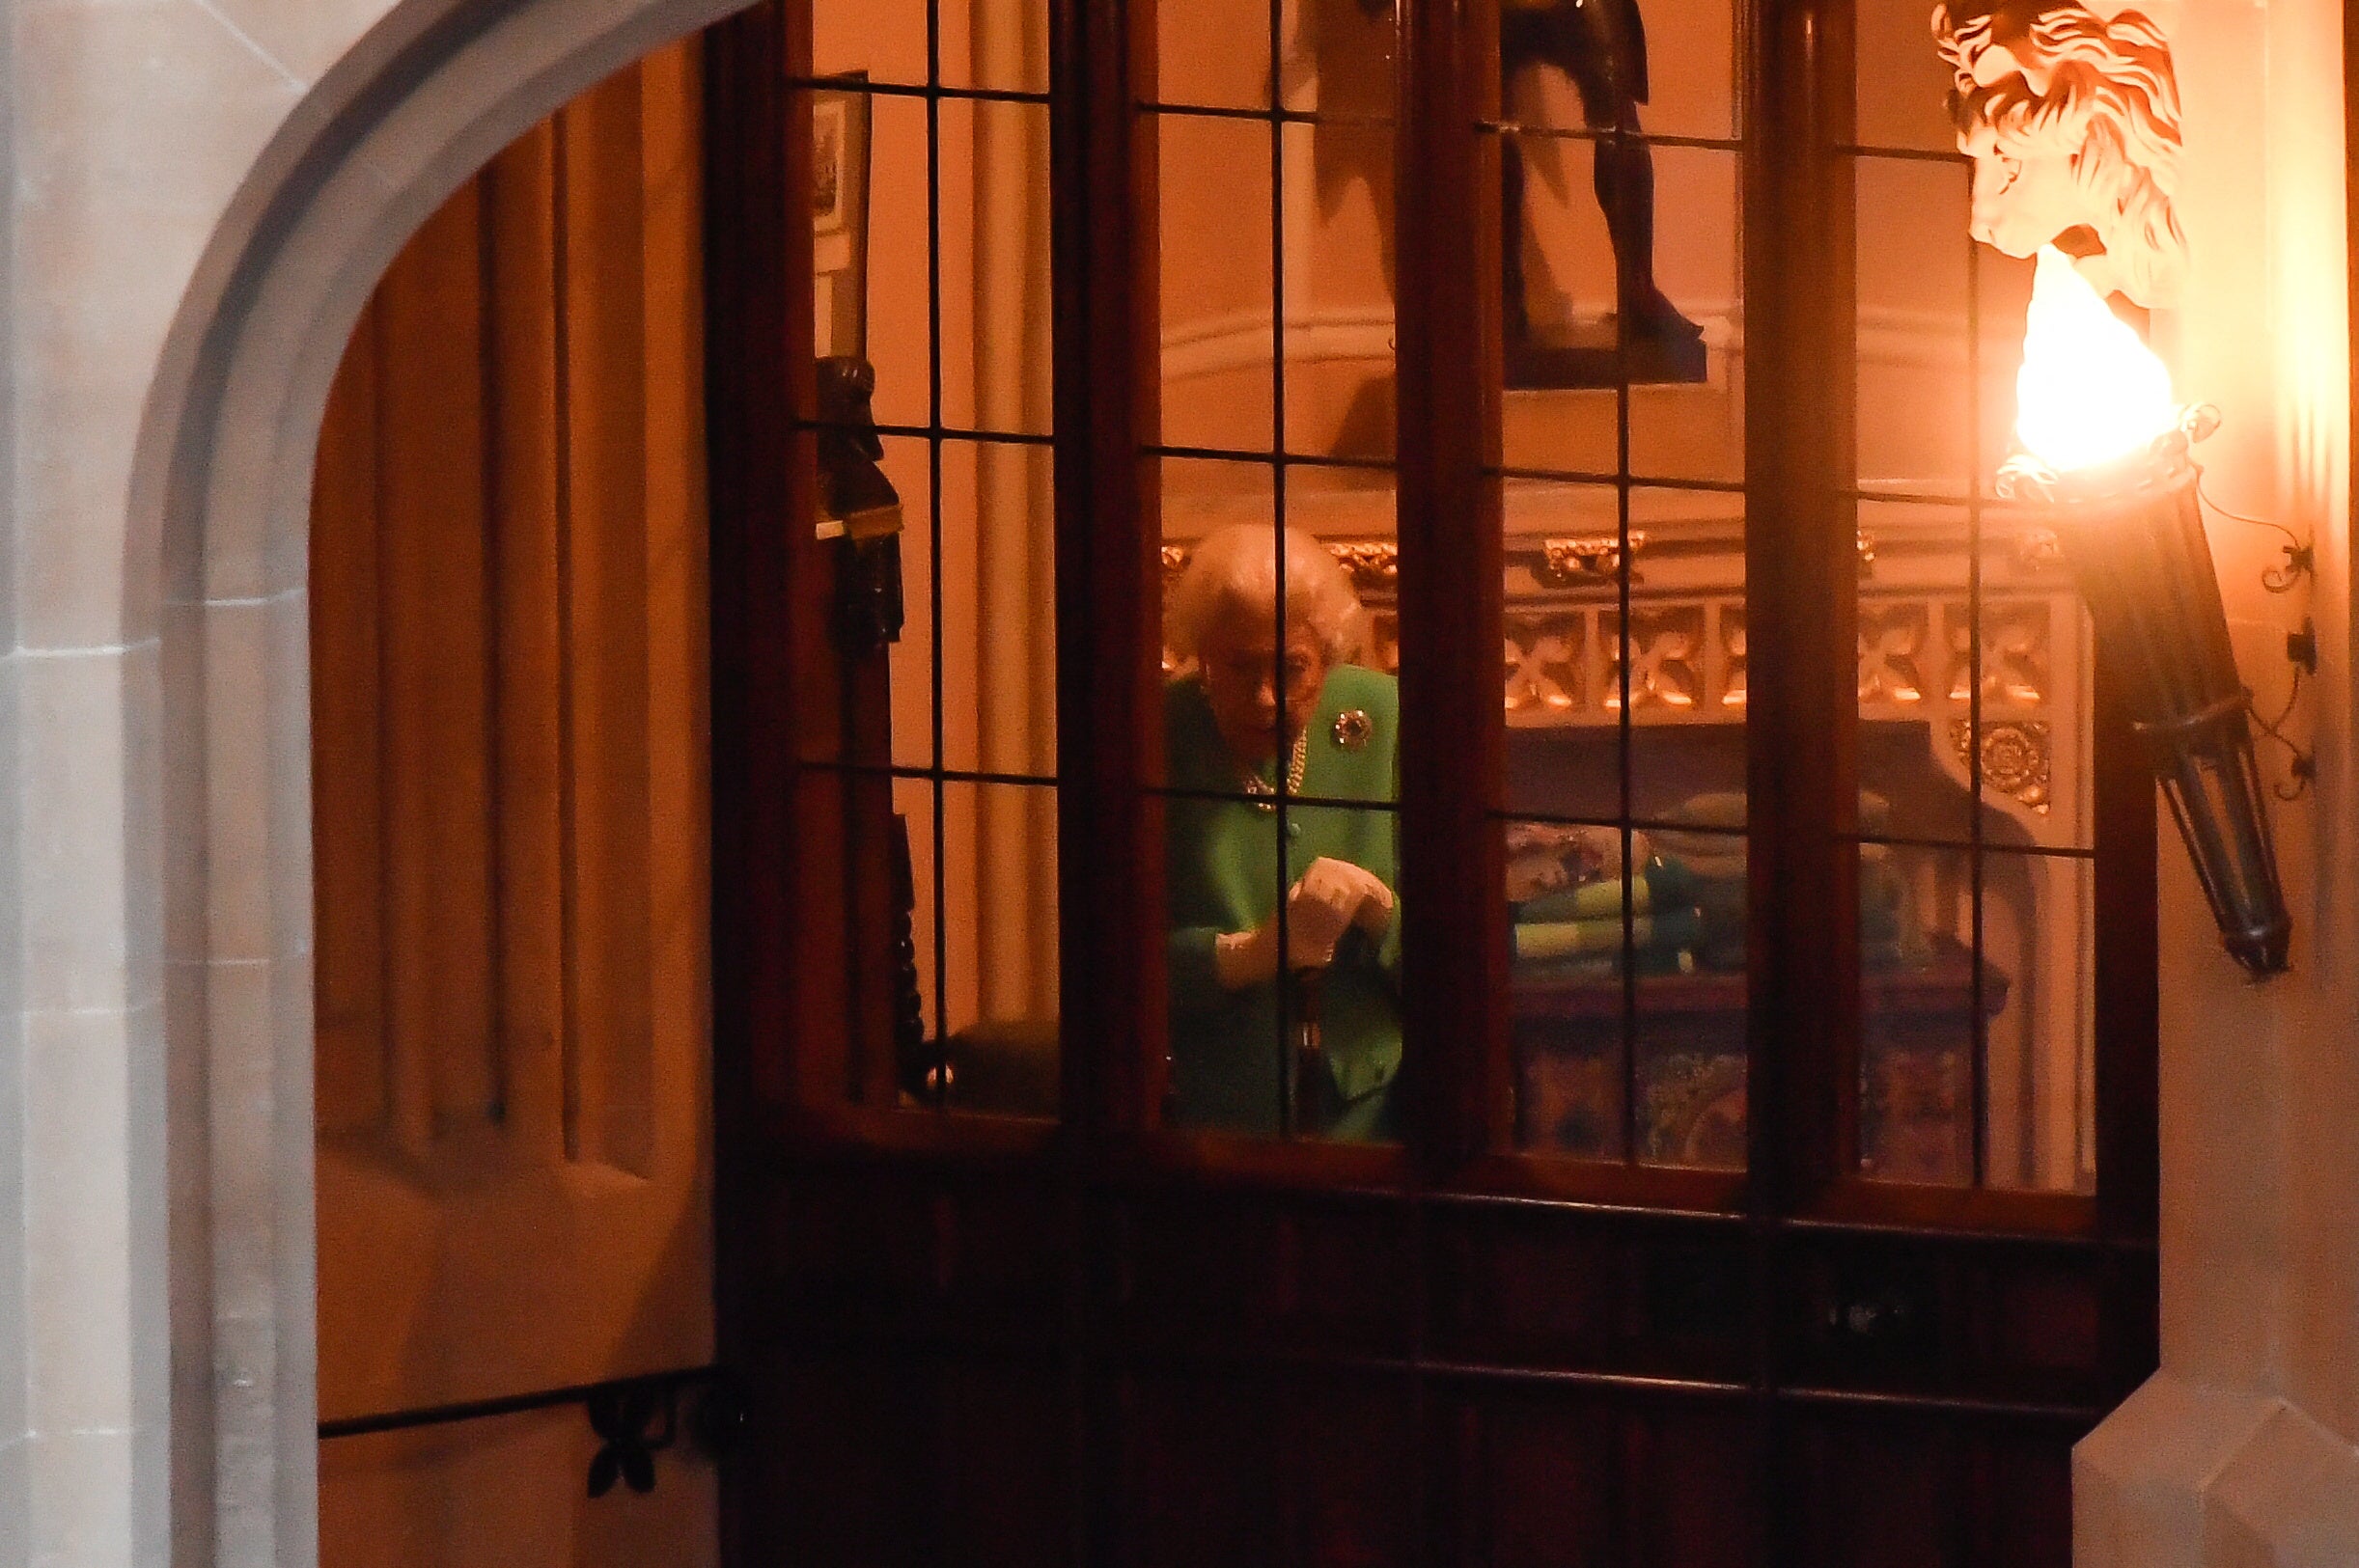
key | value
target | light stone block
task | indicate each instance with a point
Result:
(83, 1510)
(190, 1246)
(180, 668)
(242, 1140)
(79, 1230)
(14, 1347)
(137, 123)
(247, 701)
(288, 650)
(91, 877)
(2138, 1480)
(2289, 1498)
(304, 38)
(15, 1501)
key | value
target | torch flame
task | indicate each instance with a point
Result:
(2089, 391)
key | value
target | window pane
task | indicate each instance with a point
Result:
(1650, 67)
(982, 951)
(1337, 190)
(996, 355)
(1218, 328)
(1562, 649)
(998, 44)
(1915, 413)
(1979, 1001)
(1281, 713)
(907, 465)
(997, 607)
(1285, 947)
(883, 38)
(1683, 429)
(933, 296)
(1915, 670)
(1631, 935)
(1903, 82)
(890, 270)
(1626, 676)
(2039, 936)
(1918, 996)
(1690, 994)
(1214, 53)
(1284, 936)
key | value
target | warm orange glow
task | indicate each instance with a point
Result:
(2089, 391)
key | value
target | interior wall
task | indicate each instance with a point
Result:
(2242, 1448)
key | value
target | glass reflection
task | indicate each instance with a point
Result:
(1285, 924)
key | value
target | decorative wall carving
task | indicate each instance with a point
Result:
(1561, 656)
(1564, 562)
(2017, 758)
(2073, 123)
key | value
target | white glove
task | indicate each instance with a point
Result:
(1333, 896)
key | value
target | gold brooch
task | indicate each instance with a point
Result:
(1352, 728)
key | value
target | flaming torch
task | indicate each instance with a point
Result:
(2105, 449)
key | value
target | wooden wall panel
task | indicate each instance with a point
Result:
(602, 554)
(488, 637)
(520, 277)
(511, 775)
(434, 677)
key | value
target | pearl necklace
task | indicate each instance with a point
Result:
(1263, 792)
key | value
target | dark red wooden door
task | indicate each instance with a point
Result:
(1813, 1250)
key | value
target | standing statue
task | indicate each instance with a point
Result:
(1602, 46)
(2073, 123)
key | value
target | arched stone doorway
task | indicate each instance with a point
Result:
(409, 99)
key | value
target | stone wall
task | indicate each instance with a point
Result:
(2240, 1452)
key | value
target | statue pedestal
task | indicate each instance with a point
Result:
(1588, 357)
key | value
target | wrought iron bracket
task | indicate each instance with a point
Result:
(624, 1413)
(637, 1418)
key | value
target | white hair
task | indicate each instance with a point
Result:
(1236, 568)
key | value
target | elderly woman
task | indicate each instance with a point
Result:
(1266, 705)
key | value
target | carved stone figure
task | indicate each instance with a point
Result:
(2073, 123)
(1600, 45)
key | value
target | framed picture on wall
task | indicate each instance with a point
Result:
(839, 215)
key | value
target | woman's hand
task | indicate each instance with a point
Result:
(1333, 896)
(1244, 959)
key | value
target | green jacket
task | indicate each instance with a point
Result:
(1222, 877)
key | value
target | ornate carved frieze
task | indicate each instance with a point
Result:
(1564, 562)
(1545, 681)
(2016, 656)
(1892, 649)
(1917, 649)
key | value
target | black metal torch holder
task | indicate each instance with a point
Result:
(2132, 532)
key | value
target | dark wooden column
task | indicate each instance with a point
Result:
(1109, 536)
(1454, 909)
